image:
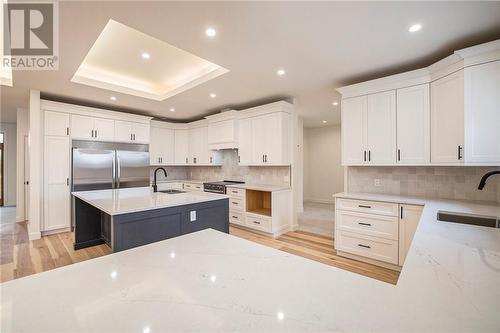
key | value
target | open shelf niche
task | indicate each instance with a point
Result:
(258, 202)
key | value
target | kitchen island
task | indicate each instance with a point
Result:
(130, 217)
(210, 281)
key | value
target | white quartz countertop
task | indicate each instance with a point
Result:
(131, 200)
(209, 281)
(261, 187)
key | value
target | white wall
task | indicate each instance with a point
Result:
(22, 132)
(323, 173)
(35, 166)
(9, 185)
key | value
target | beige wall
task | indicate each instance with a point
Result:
(323, 173)
(10, 159)
(432, 182)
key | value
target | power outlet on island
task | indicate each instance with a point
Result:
(376, 182)
(192, 215)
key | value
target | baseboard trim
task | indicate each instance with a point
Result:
(369, 261)
(55, 231)
(321, 201)
(34, 235)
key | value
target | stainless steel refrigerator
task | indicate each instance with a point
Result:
(103, 165)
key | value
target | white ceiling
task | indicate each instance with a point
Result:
(321, 45)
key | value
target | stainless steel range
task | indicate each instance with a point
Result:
(219, 187)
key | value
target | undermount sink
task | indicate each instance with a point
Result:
(463, 218)
(172, 191)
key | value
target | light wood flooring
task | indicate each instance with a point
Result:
(21, 257)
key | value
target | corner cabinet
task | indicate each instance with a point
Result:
(264, 140)
(447, 119)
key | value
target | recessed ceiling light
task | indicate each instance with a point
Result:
(211, 32)
(280, 315)
(335, 103)
(415, 28)
(324, 121)
(145, 55)
(212, 95)
(113, 98)
(281, 72)
(172, 110)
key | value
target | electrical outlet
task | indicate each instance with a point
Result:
(192, 215)
(376, 182)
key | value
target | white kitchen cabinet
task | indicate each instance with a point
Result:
(269, 140)
(127, 131)
(381, 128)
(104, 129)
(408, 222)
(56, 199)
(447, 119)
(181, 146)
(245, 141)
(91, 128)
(482, 113)
(223, 130)
(413, 125)
(56, 123)
(353, 129)
(82, 127)
(161, 147)
(198, 147)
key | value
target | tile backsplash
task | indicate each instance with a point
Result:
(230, 170)
(431, 182)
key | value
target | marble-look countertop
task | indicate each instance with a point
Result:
(261, 187)
(131, 200)
(210, 281)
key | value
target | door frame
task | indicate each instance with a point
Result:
(2, 170)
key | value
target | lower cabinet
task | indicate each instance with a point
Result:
(56, 198)
(375, 231)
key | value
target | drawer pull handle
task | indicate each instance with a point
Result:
(235, 217)
(365, 246)
(368, 224)
(256, 222)
(364, 206)
(234, 202)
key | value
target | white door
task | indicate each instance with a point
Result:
(141, 133)
(272, 140)
(482, 113)
(155, 146)
(447, 119)
(104, 129)
(353, 114)
(381, 128)
(408, 222)
(413, 125)
(245, 141)
(181, 148)
(259, 140)
(56, 123)
(124, 131)
(56, 183)
(82, 127)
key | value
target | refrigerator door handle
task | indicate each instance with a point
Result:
(118, 172)
(113, 172)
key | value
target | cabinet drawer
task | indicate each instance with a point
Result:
(235, 192)
(368, 224)
(193, 187)
(372, 207)
(259, 223)
(236, 204)
(366, 246)
(236, 218)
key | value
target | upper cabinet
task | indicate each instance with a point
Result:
(264, 136)
(199, 152)
(161, 147)
(446, 114)
(181, 146)
(57, 123)
(92, 128)
(369, 129)
(482, 113)
(127, 131)
(447, 119)
(412, 125)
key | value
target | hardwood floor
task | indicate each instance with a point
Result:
(21, 257)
